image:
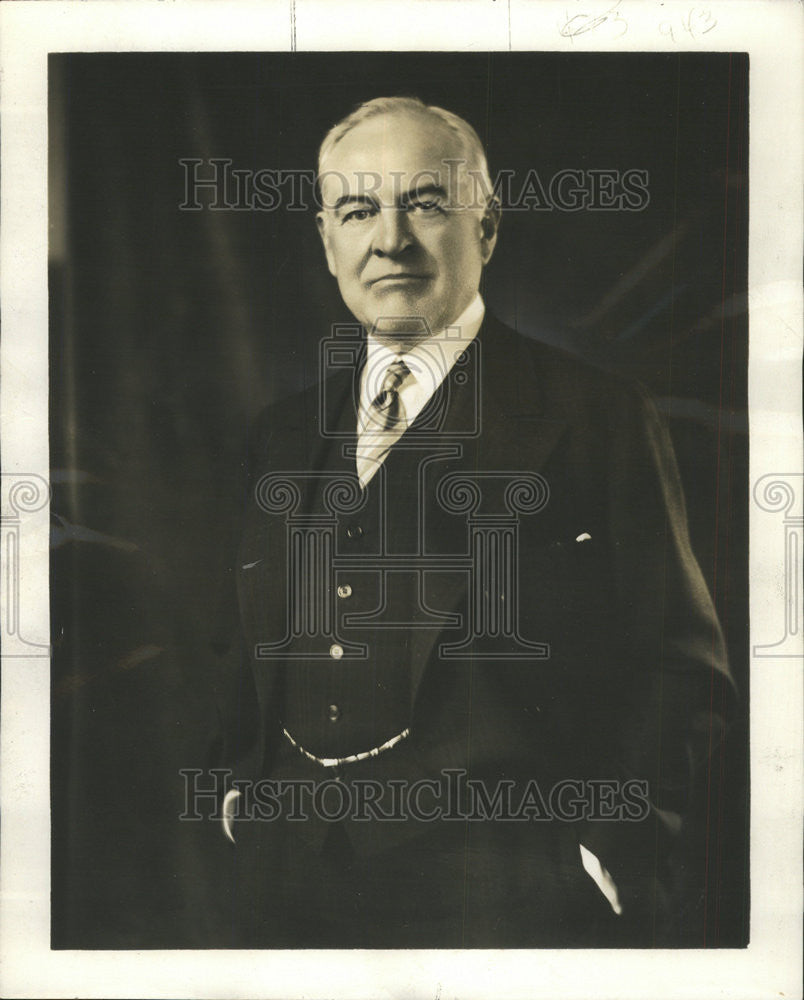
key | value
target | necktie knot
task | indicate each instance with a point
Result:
(395, 375)
(388, 403)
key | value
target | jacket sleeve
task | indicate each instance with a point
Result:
(676, 692)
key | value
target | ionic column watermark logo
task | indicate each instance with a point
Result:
(23, 496)
(784, 494)
(493, 564)
(311, 547)
(491, 503)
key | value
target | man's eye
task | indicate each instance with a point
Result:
(357, 215)
(424, 207)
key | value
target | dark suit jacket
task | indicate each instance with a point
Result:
(607, 580)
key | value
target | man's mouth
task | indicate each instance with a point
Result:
(401, 278)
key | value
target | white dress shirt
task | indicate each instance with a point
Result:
(429, 362)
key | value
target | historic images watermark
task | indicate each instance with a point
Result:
(216, 184)
(452, 796)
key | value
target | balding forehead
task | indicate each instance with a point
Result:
(388, 134)
(391, 156)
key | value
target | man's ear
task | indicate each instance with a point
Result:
(489, 227)
(323, 232)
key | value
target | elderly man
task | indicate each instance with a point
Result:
(475, 655)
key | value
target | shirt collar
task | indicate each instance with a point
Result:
(430, 360)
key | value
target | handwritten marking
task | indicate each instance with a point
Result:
(695, 22)
(698, 21)
(581, 24)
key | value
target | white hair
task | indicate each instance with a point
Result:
(471, 145)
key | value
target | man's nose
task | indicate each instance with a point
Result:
(392, 233)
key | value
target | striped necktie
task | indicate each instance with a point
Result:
(388, 407)
(383, 423)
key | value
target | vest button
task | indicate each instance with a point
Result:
(336, 651)
(344, 590)
(354, 531)
(333, 713)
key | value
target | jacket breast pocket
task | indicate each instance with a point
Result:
(565, 590)
(583, 563)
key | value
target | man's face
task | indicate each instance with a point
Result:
(402, 230)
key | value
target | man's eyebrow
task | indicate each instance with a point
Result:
(349, 199)
(424, 189)
(419, 191)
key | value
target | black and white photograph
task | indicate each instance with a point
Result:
(402, 486)
(399, 500)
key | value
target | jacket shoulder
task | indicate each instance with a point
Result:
(567, 383)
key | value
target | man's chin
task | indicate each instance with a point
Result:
(406, 322)
(410, 323)
(398, 312)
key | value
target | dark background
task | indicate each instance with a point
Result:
(171, 329)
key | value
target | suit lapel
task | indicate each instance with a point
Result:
(516, 434)
(331, 448)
